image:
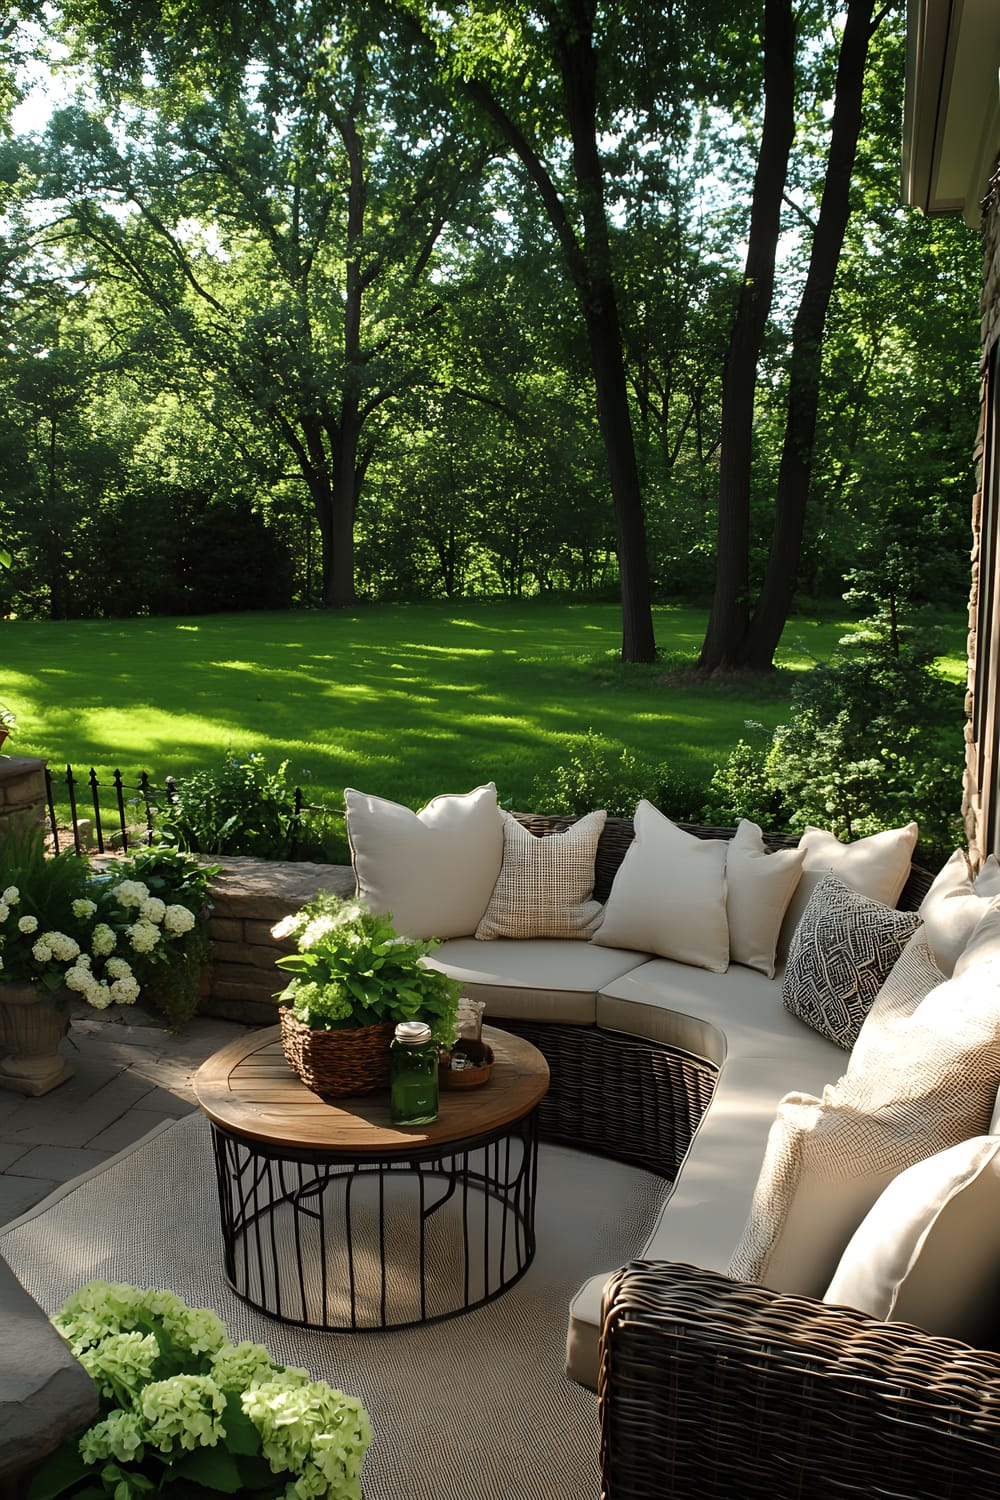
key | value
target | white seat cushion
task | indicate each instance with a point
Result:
(534, 979)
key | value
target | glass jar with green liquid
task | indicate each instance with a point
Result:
(413, 1063)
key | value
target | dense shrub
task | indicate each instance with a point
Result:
(594, 776)
(744, 787)
(241, 808)
(874, 740)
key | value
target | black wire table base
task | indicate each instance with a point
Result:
(377, 1242)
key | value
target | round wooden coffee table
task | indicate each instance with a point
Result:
(334, 1218)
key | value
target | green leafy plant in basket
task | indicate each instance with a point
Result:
(353, 969)
(186, 1412)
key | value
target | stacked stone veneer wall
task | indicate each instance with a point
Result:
(976, 808)
(248, 897)
(22, 791)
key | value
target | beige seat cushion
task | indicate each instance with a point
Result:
(930, 1083)
(535, 979)
(928, 1251)
(669, 895)
(704, 1212)
(759, 886)
(434, 870)
(877, 866)
(955, 903)
(545, 886)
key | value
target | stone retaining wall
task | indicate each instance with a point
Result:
(248, 897)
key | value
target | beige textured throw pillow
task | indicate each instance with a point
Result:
(545, 885)
(434, 870)
(911, 979)
(877, 866)
(669, 895)
(927, 1251)
(929, 1085)
(955, 903)
(759, 886)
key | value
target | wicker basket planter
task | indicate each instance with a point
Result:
(336, 1063)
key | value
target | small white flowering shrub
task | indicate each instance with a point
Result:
(182, 1406)
(107, 934)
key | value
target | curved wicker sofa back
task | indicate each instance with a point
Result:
(618, 834)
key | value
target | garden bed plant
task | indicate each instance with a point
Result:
(185, 1411)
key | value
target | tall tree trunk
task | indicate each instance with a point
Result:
(724, 637)
(575, 45)
(589, 265)
(776, 595)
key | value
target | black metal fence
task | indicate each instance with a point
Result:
(103, 816)
(90, 810)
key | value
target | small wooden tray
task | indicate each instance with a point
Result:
(467, 1078)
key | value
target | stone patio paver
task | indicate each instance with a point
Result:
(130, 1075)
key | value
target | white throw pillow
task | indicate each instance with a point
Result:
(669, 895)
(546, 884)
(877, 866)
(434, 870)
(928, 1251)
(931, 1083)
(983, 946)
(954, 904)
(759, 886)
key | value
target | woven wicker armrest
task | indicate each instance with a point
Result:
(714, 1388)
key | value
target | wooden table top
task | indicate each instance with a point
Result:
(249, 1089)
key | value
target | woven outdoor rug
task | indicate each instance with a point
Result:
(475, 1408)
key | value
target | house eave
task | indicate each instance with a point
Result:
(951, 120)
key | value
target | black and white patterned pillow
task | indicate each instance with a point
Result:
(840, 957)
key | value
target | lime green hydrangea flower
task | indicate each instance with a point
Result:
(121, 1362)
(185, 1410)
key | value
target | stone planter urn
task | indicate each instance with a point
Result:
(33, 1022)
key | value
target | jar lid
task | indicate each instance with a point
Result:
(413, 1033)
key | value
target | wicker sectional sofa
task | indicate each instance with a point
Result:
(654, 1062)
(710, 1386)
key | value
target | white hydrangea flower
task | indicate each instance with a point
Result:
(285, 927)
(178, 919)
(11, 896)
(143, 936)
(84, 907)
(103, 940)
(4, 911)
(41, 952)
(119, 968)
(98, 995)
(130, 893)
(125, 991)
(27, 924)
(64, 948)
(78, 979)
(152, 909)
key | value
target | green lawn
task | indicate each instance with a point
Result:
(404, 701)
